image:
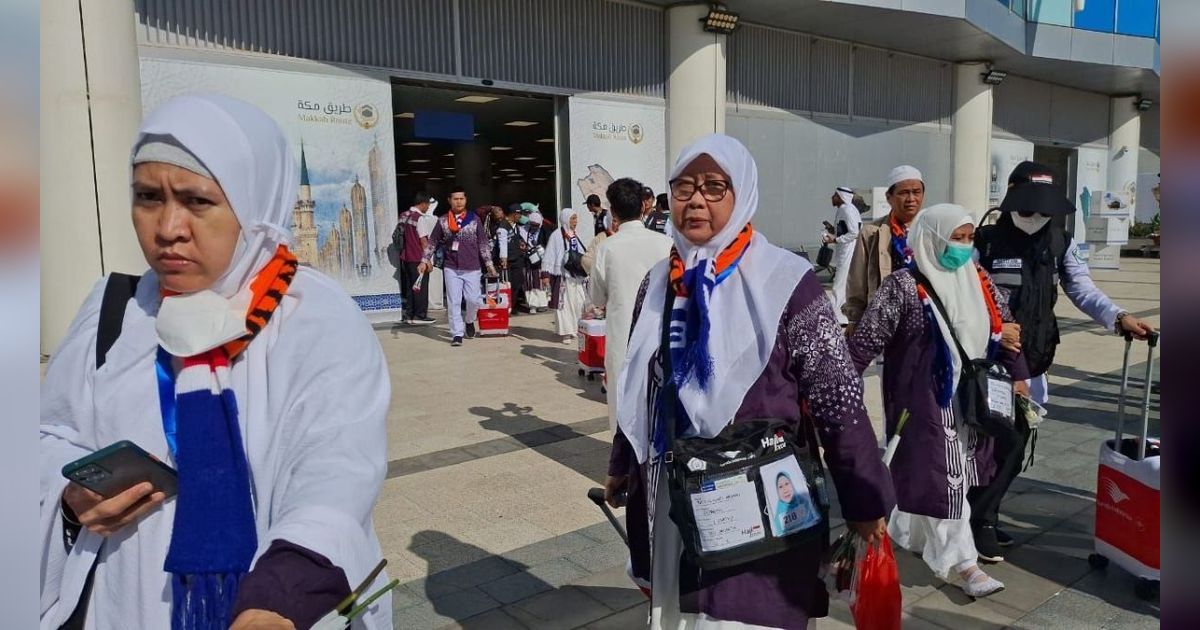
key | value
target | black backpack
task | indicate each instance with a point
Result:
(396, 249)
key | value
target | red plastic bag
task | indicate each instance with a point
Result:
(876, 604)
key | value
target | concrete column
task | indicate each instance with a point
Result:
(972, 134)
(1124, 144)
(91, 105)
(696, 82)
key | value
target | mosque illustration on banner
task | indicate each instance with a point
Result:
(354, 243)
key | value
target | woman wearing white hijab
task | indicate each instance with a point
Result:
(568, 291)
(222, 369)
(937, 459)
(755, 337)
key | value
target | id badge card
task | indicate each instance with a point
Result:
(454, 245)
(789, 502)
(726, 512)
(1000, 397)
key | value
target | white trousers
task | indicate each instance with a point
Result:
(460, 285)
(840, 278)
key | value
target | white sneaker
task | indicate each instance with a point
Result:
(976, 583)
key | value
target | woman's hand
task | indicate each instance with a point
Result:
(1021, 388)
(424, 267)
(1010, 337)
(870, 531)
(108, 516)
(256, 619)
(614, 488)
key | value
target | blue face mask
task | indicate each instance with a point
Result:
(956, 255)
(523, 220)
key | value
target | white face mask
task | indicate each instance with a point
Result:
(1030, 225)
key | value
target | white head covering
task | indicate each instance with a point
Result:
(250, 158)
(959, 290)
(564, 218)
(903, 172)
(745, 309)
(846, 195)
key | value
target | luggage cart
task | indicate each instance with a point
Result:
(1127, 491)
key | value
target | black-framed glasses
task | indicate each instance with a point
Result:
(711, 189)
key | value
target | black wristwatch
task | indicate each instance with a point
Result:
(1117, 322)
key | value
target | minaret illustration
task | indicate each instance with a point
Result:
(304, 229)
(358, 207)
(384, 221)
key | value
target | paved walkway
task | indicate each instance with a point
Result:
(493, 447)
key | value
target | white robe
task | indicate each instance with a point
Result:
(313, 420)
(843, 252)
(622, 262)
(572, 296)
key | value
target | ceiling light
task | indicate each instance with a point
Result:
(520, 123)
(414, 143)
(545, 166)
(525, 158)
(508, 170)
(518, 181)
(539, 179)
(1142, 104)
(405, 115)
(720, 20)
(418, 161)
(502, 148)
(433, 179)
(545, 139)
(448, 155)
(420, 172)
(994, 77)
(447, 168)
(475, 98)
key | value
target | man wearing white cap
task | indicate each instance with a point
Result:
(845, 234)
(882, 245)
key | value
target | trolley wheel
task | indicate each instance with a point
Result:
(1146, 589)
(591, 376)
(1097, 561)
(581, 371)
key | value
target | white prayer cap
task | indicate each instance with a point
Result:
(903, 172)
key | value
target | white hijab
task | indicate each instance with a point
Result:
(564, 219)
(960, 290)
(250, 158)
(745, 309)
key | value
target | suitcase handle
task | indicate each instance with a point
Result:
(1151, 343)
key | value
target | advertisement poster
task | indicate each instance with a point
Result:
(341, 132)
(1006, 155)
(611, 140)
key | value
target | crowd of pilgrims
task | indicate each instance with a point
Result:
(720, 333)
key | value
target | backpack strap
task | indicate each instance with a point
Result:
(117, 293)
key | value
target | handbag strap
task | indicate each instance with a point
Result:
(669, 394)
(937, 303)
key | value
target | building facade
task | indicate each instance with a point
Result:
(823, 92)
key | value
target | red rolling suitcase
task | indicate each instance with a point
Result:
(1127, 491)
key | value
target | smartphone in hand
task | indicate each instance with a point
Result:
(118, 467)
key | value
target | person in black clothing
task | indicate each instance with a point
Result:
(409, 242)
(1029, 254)
(507, 249)
(655, 211)
(598, 214)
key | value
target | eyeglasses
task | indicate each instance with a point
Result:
(712, 189)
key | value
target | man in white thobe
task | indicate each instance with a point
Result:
(622, 262)
(846, 233)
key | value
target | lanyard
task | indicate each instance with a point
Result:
(166, 396)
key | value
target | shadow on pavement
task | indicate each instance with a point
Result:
(562, 443)
(536, 334)
(564, 362)
(467, 587)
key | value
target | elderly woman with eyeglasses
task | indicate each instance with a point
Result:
(752, 337)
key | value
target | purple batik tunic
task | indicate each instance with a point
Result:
(809, 362)
(927, 469)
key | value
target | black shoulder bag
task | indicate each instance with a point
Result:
(753, 491)
(573, 261)
(985, 388)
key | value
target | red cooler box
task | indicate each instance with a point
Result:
(1127, 493)
(591, 347)
(493, 314)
